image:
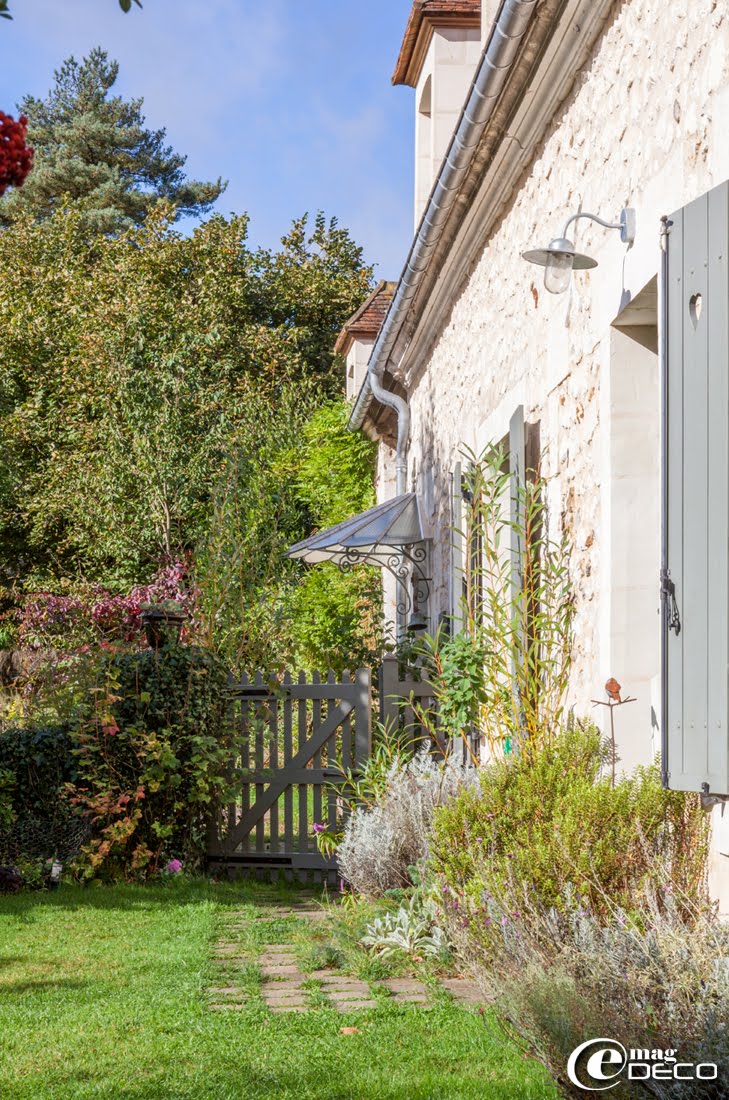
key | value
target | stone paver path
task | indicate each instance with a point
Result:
(286, 988)
(283, 981)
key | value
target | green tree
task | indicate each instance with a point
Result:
(337, 616)
(295, 470)
(134, 370)
(94, 146)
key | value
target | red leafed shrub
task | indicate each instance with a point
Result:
(16, 158)
(93, 614)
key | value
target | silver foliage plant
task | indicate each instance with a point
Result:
(382, 842)
(412, 929)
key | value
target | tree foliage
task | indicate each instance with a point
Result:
(335, 481)
(293, 472)
(132, 369)
(164, 396)
(92, 145)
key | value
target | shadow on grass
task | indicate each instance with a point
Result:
(9, 989)
(229, 894)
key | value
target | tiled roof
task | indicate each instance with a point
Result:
(425, 15)
(367, 321)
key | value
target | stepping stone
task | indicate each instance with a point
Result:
(281, 948)
(298, 999)
(410, 998)
(463, 990)
(289, 1008)
(405, 986)
(338, 995)
(284, 985)
(290, 971)
(354, 1006)
(344, 983)
(362, 990)
(227, 991)
(230, 1006)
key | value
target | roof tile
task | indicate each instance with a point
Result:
(367, 321)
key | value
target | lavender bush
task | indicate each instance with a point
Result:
(383, 842)
(653, 978)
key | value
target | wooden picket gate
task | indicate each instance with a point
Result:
(295, 739)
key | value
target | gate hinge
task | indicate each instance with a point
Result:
(668, 593)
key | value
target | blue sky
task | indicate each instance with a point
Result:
(290, 100)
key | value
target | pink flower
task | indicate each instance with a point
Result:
(318, 827)
(174, 867)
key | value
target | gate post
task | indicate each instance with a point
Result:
(363, 717)
(389, 684)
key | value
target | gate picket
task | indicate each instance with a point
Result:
(287, 755)
(303, 792)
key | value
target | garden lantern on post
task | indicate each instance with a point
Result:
(163, 623)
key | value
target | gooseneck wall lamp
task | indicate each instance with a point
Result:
(560, 258)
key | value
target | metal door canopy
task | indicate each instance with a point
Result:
(372, 536)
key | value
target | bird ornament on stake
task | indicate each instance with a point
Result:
(614, 699)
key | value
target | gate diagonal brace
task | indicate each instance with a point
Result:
(265, 801)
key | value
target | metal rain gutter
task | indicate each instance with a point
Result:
(498, 57)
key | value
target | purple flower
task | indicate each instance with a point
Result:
(318, 827)
(174, 867)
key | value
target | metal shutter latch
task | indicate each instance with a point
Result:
(668, 593)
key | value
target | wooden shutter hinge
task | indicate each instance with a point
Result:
(666, 225)
(668, 594)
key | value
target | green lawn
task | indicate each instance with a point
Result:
(103, 994)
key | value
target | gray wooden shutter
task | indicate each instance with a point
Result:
(695, 581)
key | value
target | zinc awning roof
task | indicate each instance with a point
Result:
(372, 536)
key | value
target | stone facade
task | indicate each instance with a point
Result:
(644, 126)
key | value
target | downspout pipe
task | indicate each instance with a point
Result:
(402, 411)
(499, 54)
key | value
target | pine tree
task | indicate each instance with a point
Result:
(93, 146)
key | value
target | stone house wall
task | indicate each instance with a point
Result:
(645, 126)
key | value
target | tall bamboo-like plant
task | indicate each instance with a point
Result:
(506, 672)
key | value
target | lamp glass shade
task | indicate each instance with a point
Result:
(558, 271)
